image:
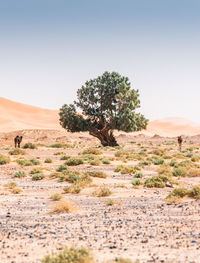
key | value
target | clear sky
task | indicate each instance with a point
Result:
(49, 48)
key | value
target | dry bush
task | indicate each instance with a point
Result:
(102, 191)
(127, 169)
(16, 190)
(64, 206)
(194, 172)
(4, 159)
(48, 160)
(98, 174)
(92, 151)
(70, 255)
(56, 197)
(17, 151)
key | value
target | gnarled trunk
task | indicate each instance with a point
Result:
(105, 136)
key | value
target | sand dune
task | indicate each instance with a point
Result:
(18, 116)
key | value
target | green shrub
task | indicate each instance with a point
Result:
(138, 175)
(38, 176)
(136, 182)
(4, 159)
(62, 168)
(19, 174)
(37, 170)
(70, 255)
(29, 145)
(73, 161)
(35, 161)
(24, 162)
(157, 181)
(179, 172)
(17, 151)
(64, 158)
(105, 161)
(158, 161)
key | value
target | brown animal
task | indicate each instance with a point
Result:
(18, 140)
(180, 141)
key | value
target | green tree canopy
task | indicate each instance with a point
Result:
(106, 103)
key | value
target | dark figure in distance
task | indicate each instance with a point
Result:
(180, 141)
(18, 140)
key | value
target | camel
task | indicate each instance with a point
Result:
(180, 141)
(18, 140)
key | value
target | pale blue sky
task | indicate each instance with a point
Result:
(48, 49)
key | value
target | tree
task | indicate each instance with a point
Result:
(107, 103)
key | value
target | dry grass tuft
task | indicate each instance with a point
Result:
(64, 206)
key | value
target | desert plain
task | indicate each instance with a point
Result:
(113, 206)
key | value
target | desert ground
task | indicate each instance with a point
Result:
(112, 207)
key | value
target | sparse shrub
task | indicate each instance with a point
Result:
(195, 192)
(55, 175)
(38, 176)
(70, 255)
(144, 163)
(36, 170)
(158, 152)
(92, 151)
(95, 162)
(136, 182)
(29, 145)
(35, 161)
(19, 174)
(195, 159)
(4, 159)
(176, 195)
(56, 197)
(158, 161)
(64, 157)
(172, 163)
(24, 162)
(62, 168)
(64, 206)
(73, 161)
(109, 202)
(48, 160)
(72, 189)
(61, 145)
(103, 191)
(99, 174)
(193, 172)
(126, 169)
(58, 153)
(17, 151)
(16, 190)
(10, 185)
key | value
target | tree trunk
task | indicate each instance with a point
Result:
(105, 136)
